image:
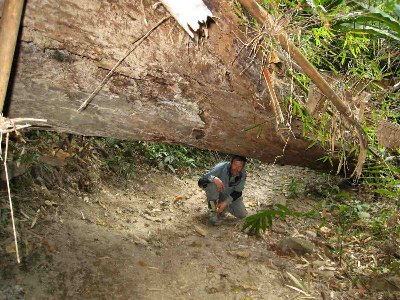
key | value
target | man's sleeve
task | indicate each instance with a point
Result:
(209, 177)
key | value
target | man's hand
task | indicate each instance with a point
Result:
(221, 207)
(218, 182)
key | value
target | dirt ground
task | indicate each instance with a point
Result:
(152, 240)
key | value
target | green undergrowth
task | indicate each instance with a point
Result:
(344, 218)
(355, 44)
(79, 162)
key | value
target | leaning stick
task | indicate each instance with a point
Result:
(263, 17)
(9, 199)
(7, 126)
(274, 99)
(136, 43)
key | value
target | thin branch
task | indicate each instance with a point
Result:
(283, 151)
(9, 125)
(136, 43)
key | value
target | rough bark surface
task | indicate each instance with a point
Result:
(171, 89)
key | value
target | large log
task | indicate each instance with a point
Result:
(171, 89)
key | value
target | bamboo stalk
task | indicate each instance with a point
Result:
(262, 17)
(9, 28)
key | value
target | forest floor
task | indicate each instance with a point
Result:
(149, 238)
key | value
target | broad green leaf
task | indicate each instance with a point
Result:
(375, 14)
(330, 5)
(397, 9)
(367, 30)
(387, 193)
(367, 18)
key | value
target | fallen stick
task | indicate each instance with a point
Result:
(10, 125)
(136, 43)
(24, 214)
(35, 218)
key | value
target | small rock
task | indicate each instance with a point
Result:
(296, 245)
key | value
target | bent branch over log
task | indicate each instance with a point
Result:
(263, 17)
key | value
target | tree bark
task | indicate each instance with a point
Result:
(172, 89)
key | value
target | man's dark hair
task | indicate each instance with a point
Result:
(239, 158)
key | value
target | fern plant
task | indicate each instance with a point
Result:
(263, 220)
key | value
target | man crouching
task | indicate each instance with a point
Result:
(224, 185)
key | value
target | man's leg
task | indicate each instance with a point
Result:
(238, 209)
(212, 199)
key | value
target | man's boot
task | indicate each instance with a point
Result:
(213, 215)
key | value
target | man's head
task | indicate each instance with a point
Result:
(237, 164)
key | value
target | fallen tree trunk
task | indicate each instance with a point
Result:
(171, 89)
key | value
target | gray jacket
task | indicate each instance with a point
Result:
(233, 185)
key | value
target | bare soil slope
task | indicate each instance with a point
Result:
(144, 242)
(151, 240)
